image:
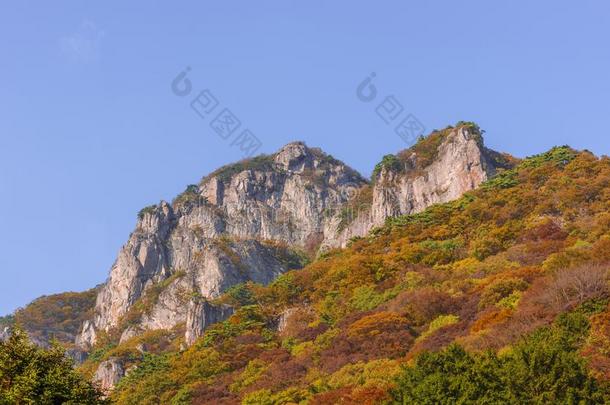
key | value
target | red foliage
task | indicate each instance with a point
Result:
(422, 306)
(439, 339)
(534, 253)
(549, 230)
(218, 393)
(373, 336)
(376, 323)
(297, 325)
(239, 355)
(283, 371)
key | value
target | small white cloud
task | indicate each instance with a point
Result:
(84, 45)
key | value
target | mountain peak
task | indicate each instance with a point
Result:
(294, 155)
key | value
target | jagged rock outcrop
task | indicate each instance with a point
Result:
(108, 374)
(202, 314)
(86, 335)
(282, 322)
(141, 262)
(5, 333)
(405, 185)
(213, 236)
(77, 355)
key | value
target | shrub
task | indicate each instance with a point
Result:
(241, 294)
(188, 197)
(266, 397)
(597, 348)
(571, 287)
(151, 209)
(438, 323)
(376, 323)
(365, 298)
(253, 371)
(226, 173)
(502, 180)
(501, 289)
(559, 156)
(374, 373)
(389, 162)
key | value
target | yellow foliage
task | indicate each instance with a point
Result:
(374, 324)
(376, 373)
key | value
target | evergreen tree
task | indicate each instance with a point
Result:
(33, 375)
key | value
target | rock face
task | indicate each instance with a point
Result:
(86, 335)
(108, 374)
(201, 315)
(77, 355)
(215, 235)
(243, 221)
(461, 164)
(282, 322)
(5, 333)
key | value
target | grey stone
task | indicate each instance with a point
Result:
(201, 315)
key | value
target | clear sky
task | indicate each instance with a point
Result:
(90, 130)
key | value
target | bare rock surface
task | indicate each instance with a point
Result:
(461, 164)
(108, 374)
(201, 315)
(239, 224)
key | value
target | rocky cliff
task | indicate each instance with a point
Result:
(246, 221)
(252, 221)
(438, 169)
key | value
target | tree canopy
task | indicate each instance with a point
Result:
(33, 375)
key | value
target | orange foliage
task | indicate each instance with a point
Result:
(375, 324)
(489, 319)
(422, 306)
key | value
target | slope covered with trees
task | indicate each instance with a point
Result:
(57, 316)
(500, 297)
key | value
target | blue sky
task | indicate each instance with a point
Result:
(91, 131)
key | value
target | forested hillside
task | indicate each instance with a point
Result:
(501, 296)
(54, 317)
